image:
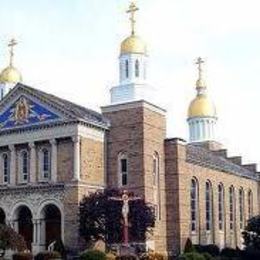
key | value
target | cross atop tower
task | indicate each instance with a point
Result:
(132, 10)
(199, 62)
(11, 45)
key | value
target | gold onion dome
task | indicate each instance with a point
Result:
(10, 75)
(133, 44)
(202, 106)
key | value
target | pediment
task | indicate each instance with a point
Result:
(22, 109)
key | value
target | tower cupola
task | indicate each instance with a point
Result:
(202, 116)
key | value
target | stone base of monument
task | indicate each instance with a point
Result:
(126, 250)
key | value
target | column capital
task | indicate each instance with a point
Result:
(32, 145)
(11, 147)
(76, 139)
(53, 141)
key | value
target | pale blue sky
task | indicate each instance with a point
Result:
(70, 48)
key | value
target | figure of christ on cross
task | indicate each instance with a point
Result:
(125, 198)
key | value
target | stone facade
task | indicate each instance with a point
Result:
(124, 147)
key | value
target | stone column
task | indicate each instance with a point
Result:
(40, 223)
(53, 160)
(12, 165)
(32, 162)
(76, 161)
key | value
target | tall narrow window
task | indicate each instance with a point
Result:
(6, 168)
(231, 207)
(137, 69)
(250, 204)
(194, 204)
(208, 206)
(24, 167)
(45, 164)
(126, 69)
(241, 208)
(123, 170)
(220, 207)
(155, 169)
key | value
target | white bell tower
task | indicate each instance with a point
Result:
(132, 67)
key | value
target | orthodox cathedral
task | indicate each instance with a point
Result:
(53, 152)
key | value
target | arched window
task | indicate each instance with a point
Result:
(194, 204)
(250, 204)
(24, 166)
(155, 169)
(126, 69)
(208, 201)
(123, 169)
(220, 207)
(6, 168)
(137, 69)
(241, 208)
(231, 207)
(45, 164)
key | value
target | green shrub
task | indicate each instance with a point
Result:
(191, 256)
(93, 255)
(22, 256)
(188, 246)
(47, 255)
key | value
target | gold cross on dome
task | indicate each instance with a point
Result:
(132, 10)
(199, 62)
(11, 45)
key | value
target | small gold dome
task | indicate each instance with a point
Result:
(202, 106)
(133, 44)
(10, 75)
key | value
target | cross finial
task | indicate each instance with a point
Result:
(199, 62)
(132, 10)
(11, 45)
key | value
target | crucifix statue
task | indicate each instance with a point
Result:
(132, 10)
(125, 198)
(11, 45)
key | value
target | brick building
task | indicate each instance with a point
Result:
(52, 152)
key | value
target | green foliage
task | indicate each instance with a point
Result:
(207, 256)
(251, 234)
(93, 255)
(101, 218)
(22, 256)
(47, 255)
(191, 256)
(9, 239)
(188, 246)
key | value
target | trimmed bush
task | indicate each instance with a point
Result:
(22, 256)
(188, 246)
(93, 255)
(47, 255)
(191, 256)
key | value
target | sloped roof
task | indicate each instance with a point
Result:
(205, 158)
(75, 112)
